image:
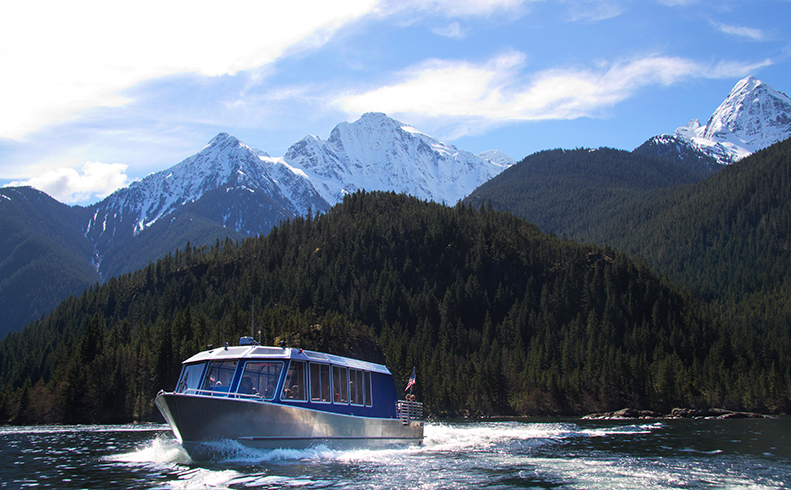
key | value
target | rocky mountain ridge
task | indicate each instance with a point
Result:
(753, 116)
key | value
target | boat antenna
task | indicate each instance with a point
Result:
(252, 320)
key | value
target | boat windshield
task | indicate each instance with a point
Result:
(190, 378)
(219, 376)
(260, 379)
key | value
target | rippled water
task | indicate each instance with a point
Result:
(530, 453)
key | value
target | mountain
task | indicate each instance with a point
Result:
(725, 238)
(377, 153)
(573, 192)
(239, 189)
(44, 257)
(245, 191)
(752, 116)
(679, 151)
(229, 190)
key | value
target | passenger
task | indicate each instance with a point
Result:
(246, 386)
(292, 393)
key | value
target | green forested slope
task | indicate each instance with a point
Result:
(727, 238)
(43, 256)
(575, 192)
(497, 317)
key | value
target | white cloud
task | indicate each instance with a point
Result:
(453, 8)
(94, 181)
(441, 88)
(593, 10)
(452, 30)
(497, 92)
(62, 57)
(748, 32)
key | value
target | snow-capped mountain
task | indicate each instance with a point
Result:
(753, 116)
(257, 192)
(380, 153)
(235, 186)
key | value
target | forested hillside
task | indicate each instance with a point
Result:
(43, 256)
(497, 317)
(726, 238)
(575, 192)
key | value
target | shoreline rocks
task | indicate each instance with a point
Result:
(676, 413)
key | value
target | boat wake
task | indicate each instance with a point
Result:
(504, 454)
(439, 437)
(162, 450)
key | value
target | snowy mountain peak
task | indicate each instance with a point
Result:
(754, 113)
(752, 116)
(239, 187)
(377, 152)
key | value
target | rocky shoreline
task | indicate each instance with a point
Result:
(676, 413)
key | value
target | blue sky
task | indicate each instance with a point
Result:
(96, 94)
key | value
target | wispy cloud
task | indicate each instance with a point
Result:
(452, 30)
(748, 32)
(59, 58)
(94, 181)
(453, 8)
(498, 91)
(593, 10)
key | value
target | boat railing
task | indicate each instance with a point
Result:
(224, 394)
(409, 410)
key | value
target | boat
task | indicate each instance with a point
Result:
(283, 397)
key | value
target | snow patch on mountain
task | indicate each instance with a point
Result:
(377, 152)
(752, 117)
(497, 156)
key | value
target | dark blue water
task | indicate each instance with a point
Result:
(531, 453)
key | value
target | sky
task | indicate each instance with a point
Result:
(95, 95)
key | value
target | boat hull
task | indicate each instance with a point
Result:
(197, 421)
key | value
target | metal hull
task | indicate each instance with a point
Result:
(197, 420)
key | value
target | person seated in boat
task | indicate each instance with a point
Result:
(293, 392)
(269, 391)
(246, 386)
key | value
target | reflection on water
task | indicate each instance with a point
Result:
(546, 453)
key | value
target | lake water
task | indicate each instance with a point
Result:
(525, 453)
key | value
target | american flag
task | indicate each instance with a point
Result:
(411, 380)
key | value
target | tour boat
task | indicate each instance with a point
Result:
(283, 397)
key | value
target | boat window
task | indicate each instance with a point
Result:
(219, 376)
(367, 385)
(260, 379)
(190, 378)
(340, 385)
(295, 387)
(319, 382)
(356, 392)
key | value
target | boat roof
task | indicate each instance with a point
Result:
(246, 352)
